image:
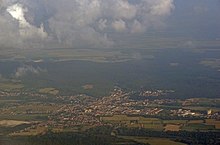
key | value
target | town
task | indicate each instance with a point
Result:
(83, 110)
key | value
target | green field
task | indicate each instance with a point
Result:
(196, 127)
(133, 122)
(35, 117)
(160, 125)
(175, 121)
(30, 108)
(10, 86)
(198, 108)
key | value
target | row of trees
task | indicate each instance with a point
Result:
(192, 138)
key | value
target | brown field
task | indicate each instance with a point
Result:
(195, 121)
(210, 121)
(51, 91)
(12, 123)
(57, 130)
(172, 127)
(214, 122)
(217, 126)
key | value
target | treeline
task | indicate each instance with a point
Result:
(79, 139)
(107, 135)
(68, 138)
(191, 138)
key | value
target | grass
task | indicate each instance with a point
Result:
(22, 117)
(175, 121)
(160, 125)
(143, 119)
(129, 118)
(196, 127)
(72, 129)
(134, 122)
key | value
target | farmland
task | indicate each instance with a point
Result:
(31, 132)
(172, 127)
(9, 86)
(51, 91)
(214, 122)
(166, 125)
(29, 113)
(12, 123)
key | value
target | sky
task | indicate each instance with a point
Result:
(32, 24)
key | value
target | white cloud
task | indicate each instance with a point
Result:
(119, 25)
(26, 30)
(24, 70)
(162, 8)
(137, 27)
(102, 24)
(76, 23)
(120, 9)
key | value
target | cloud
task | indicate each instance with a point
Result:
(137, 27)
(26, 30)
(119, 25)
(24, 70)
(76, 23)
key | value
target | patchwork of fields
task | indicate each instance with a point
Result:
(163, 125)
